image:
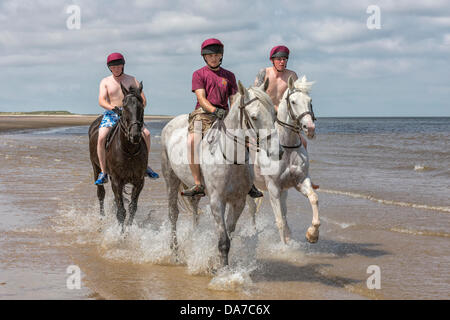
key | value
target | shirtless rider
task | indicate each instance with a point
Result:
(110, 98)
(278, 76)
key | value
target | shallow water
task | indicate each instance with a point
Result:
(383, 201)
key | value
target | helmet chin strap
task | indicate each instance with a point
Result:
(276, 67)
(123, 68)
(220, 63)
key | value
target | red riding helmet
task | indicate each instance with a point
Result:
(211, 46)
(279, 52)
(115, 59)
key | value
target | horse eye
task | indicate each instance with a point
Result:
(293, 102)
(254, 118)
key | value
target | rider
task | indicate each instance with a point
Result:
(213, 87)
(278, 76)
(110, 98)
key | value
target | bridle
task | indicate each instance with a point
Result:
(127, 129)
(245, 119)
(297, 119)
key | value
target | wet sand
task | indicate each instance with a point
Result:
(369, 215)
(24, 122)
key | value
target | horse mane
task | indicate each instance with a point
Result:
(263, 97)
(303, 85)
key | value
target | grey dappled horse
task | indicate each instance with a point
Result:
(294, 115)
(227, 184)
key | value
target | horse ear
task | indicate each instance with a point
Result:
(242, 89)
(124, 90)
(140, 86)
(291, 83)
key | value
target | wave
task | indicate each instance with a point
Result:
(388, 202)
(416, 167)
(421, 167)
(421, 232)
(418, 149)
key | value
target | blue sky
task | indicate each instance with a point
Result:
(401, 69)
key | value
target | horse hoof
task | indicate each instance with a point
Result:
(312, 236)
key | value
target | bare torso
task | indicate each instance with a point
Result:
(278, 82)
(110, 88)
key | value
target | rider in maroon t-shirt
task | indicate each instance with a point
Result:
(214, 87)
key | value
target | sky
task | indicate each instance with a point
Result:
(395, 63)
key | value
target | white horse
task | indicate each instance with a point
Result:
(226, 183)
(295, 114)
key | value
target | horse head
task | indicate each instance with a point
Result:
(252, 116)
(132, 119)
(255, 106)
(299, 105)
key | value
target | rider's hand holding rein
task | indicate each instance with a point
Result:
(117, 111)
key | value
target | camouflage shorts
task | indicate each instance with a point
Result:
(200, 116)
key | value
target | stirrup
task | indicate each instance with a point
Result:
(195, 190)
(255, 193)
(102, 178)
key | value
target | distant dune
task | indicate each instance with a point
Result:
(37, 113)
(10, 121)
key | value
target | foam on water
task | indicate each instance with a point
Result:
(343, 225)
(232, 279)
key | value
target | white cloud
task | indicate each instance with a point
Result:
(161, 41)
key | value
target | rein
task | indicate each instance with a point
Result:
(244, 120)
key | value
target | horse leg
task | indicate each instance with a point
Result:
(100, 190)
(134, 200)
(278, 201)
(194, 204)
(312, 235)
(218, 211)
(117, 188)
(233, 215)
(172, 184)
(252, 209)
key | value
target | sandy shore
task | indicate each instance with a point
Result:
(21, 122)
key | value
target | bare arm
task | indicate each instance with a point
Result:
(204, 103)
(260, 77)
(103, 97)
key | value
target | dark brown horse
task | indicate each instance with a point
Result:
(126, 154)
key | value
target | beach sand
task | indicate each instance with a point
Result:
(22, 122)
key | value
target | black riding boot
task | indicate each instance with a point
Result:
(195, 190)
(255, 193)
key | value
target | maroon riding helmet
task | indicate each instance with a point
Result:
(279, 52)
(212, 46)
(115, 59)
